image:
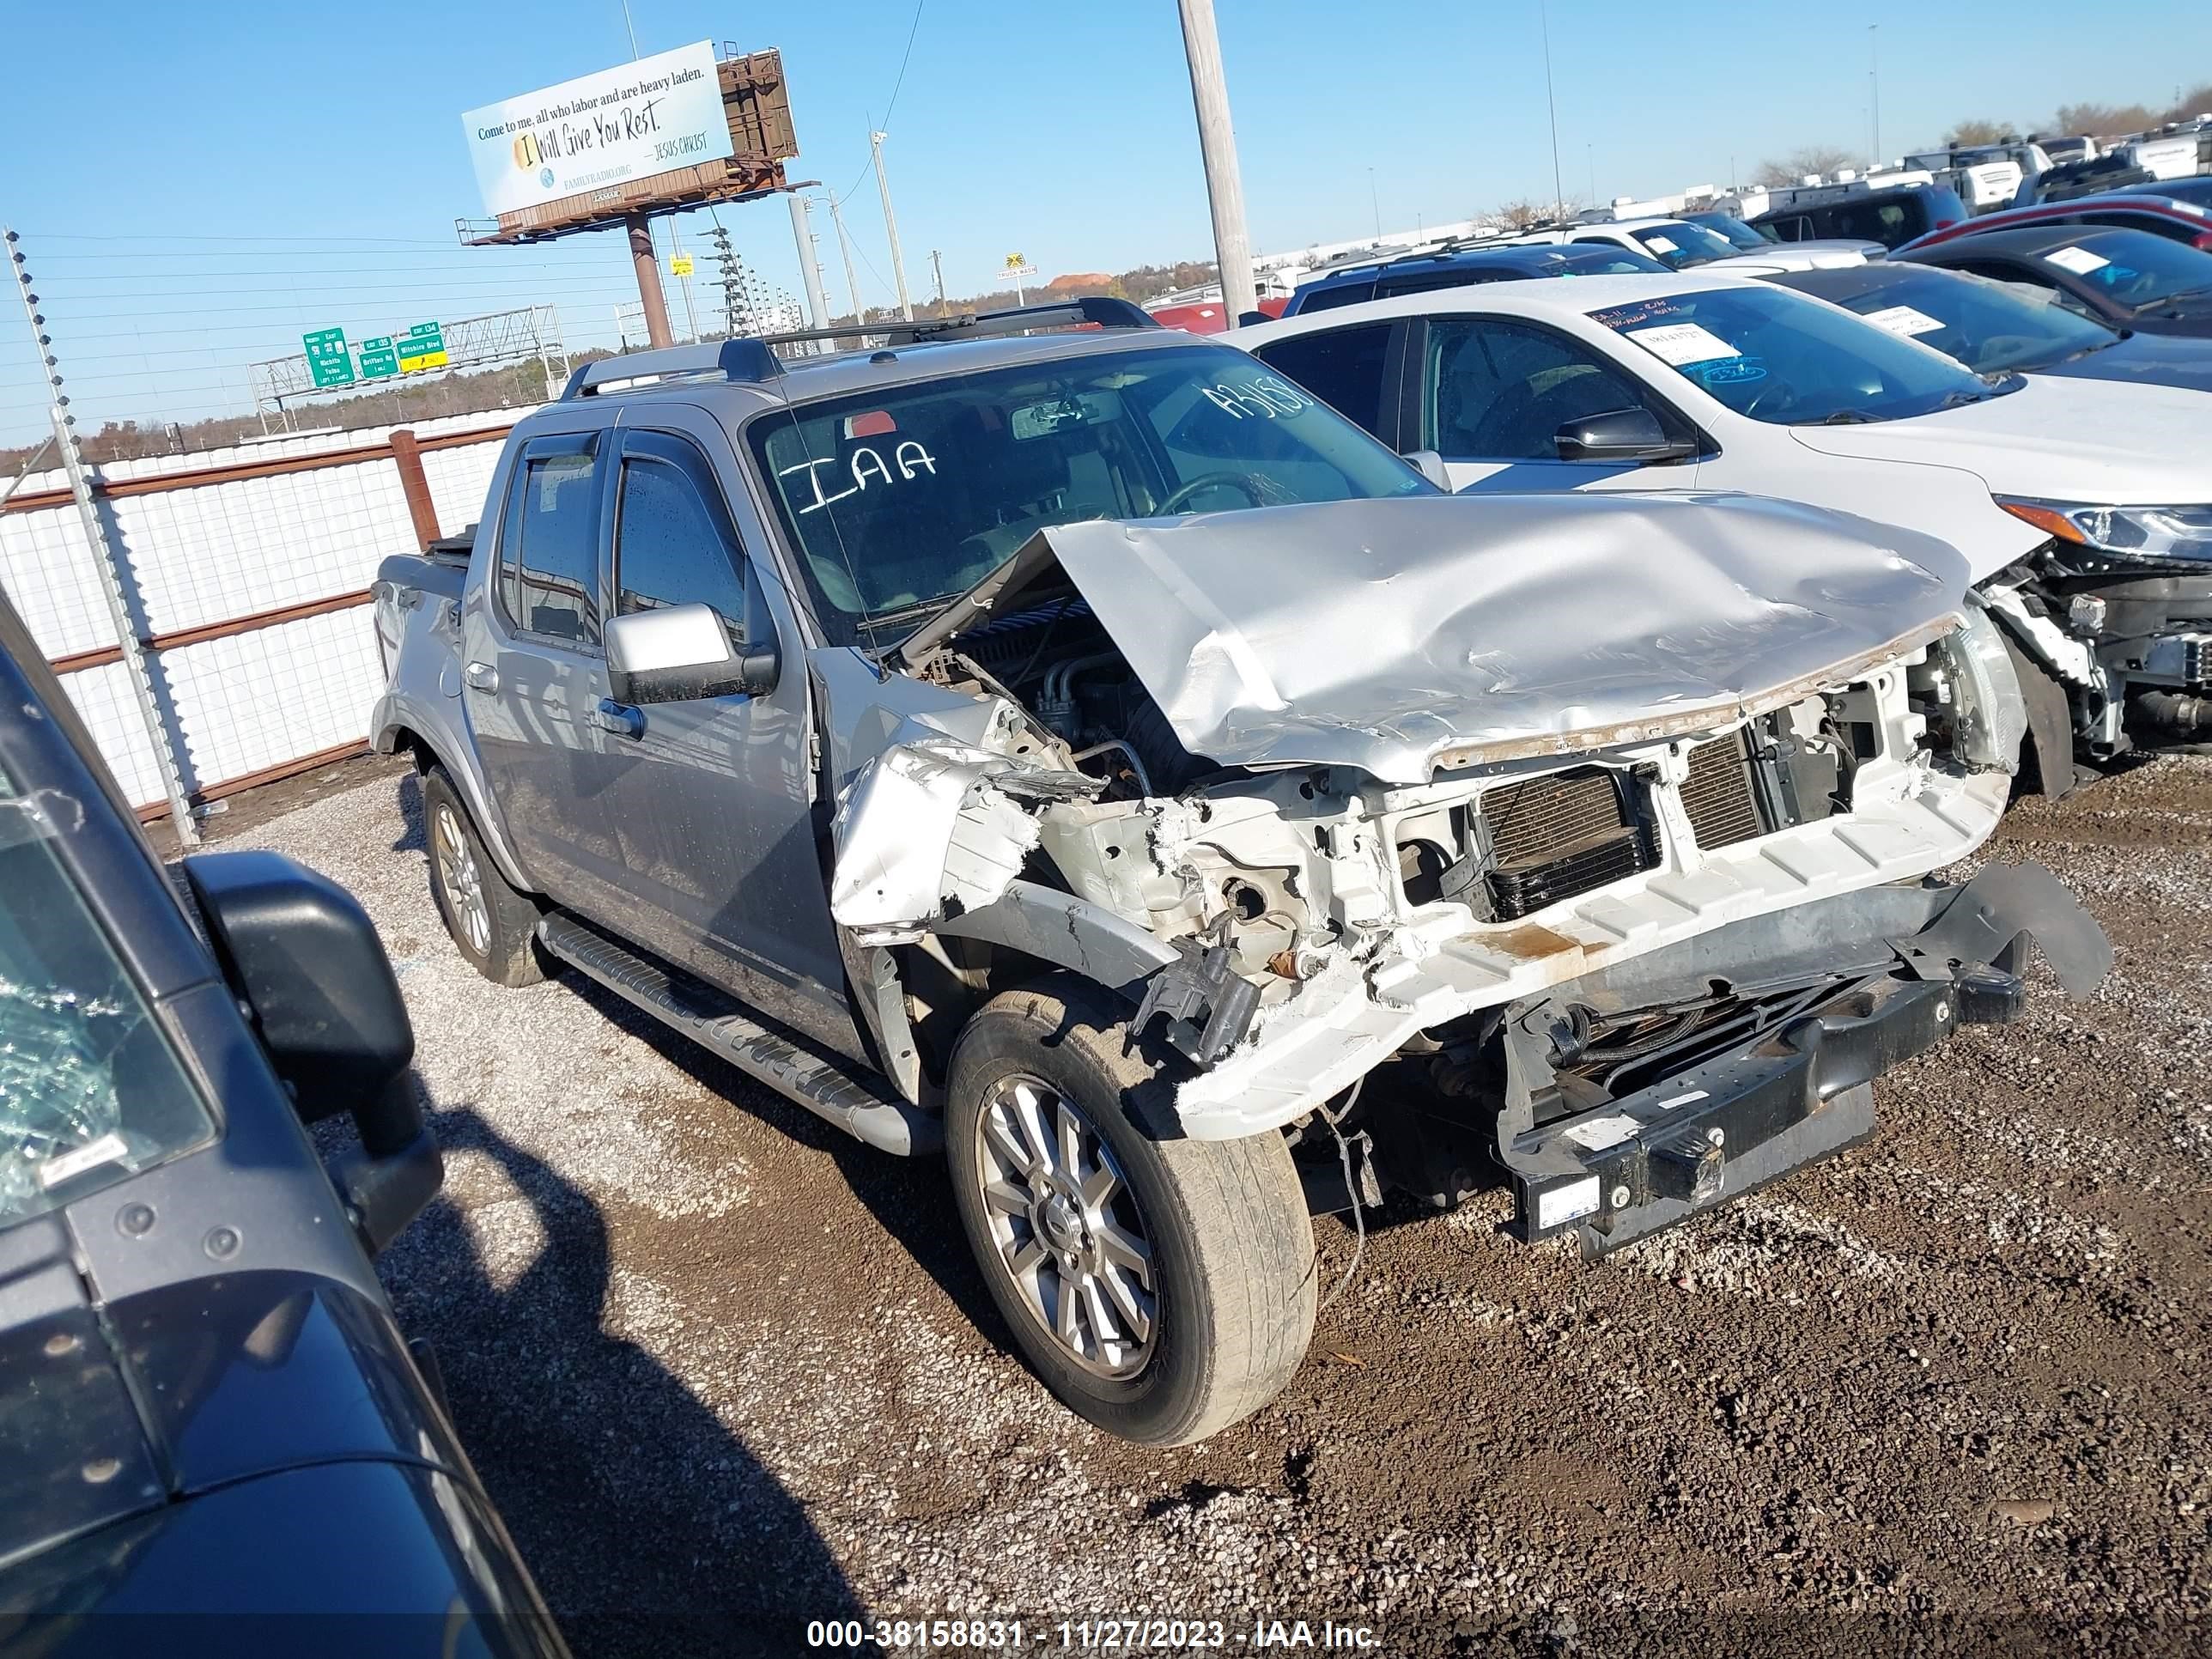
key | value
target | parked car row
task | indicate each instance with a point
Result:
(1077, 749)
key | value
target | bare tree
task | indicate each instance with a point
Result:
(1822, 158)
(1523, 214)
(1979, 133)
(2198, 101)
(2103, 120)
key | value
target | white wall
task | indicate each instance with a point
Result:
(211, 552)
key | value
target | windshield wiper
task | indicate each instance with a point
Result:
(1842, 417)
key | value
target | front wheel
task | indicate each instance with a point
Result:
(1161, 1288)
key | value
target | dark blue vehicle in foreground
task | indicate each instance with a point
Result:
(213, 1437)
(1451, 266)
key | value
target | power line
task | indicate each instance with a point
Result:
(897, 82)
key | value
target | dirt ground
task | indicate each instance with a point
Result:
(726, 1371)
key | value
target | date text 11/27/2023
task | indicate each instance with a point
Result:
(1089, 1635)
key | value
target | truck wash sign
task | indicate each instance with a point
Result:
(656, 115)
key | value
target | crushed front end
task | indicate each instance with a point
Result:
(2115, 610)
(1630, 909)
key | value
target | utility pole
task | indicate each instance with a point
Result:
(648, 267)
(937, 265)
(103, 556)
(1558, 190)
(736, 312)
(890, 226)
(1873, 81)
(1375, 203)
(845, 253)
(1217, 144)
(810, 262)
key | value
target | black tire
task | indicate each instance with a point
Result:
(501, 944)
(1231, 1255)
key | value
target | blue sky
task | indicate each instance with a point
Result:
(157, 153)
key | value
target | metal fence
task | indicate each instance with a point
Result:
(246, 575)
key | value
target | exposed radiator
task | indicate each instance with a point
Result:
(1717, 795)
(1553, 837)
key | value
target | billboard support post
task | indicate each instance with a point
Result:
(657, 330)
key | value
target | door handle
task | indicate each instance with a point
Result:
(481, 676)
(618, 718)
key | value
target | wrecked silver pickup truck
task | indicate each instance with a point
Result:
(1087, 752)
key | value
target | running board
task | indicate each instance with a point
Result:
(829, 1088)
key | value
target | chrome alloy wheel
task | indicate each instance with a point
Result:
(458, 876)
(1066, 1226)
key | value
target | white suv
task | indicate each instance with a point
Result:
(2084, 508)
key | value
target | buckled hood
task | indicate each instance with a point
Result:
(1405, 637)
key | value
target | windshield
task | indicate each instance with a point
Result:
(1735, 232)
(899, 498)
(1680, 246)
(90, 1091)
(1989, 327)
(2134, 270)
(1779, 356)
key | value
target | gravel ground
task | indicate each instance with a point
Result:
(715, 1361)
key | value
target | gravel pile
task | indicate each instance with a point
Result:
(718, 1364)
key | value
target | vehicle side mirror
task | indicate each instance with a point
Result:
(304, 961)
(1632, 435)
(682, 652)
(1430, 465)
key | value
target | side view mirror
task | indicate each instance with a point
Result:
(302, 955)
(1620, 435)
(681, 651)
(1430, 465)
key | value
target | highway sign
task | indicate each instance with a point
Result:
(328, 362)
(379, 360)
(422, 346)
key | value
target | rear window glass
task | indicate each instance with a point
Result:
(549, 547)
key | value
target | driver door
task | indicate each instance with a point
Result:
(713, 799)
(1494, 392)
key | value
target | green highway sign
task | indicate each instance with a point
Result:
(328, 363)
(422, 346)
(379, 361)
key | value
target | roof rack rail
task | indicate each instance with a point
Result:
(733, 360)
(753, 358)
(1099, 312)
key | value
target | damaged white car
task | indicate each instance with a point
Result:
(1090, 754)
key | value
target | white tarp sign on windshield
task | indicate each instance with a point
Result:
(1903, 319)
(1683, 343)
(2079, 260)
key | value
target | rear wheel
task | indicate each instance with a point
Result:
(494, 926)
(1162, 1288)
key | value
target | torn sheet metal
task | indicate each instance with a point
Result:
(939, 817)
(1403, 636)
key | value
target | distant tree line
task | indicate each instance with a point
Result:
(2069, 120)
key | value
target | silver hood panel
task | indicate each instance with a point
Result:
(1404, 635)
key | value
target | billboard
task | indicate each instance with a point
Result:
(599, 132)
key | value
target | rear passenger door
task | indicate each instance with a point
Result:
(1493, 392)
(712, 798)
(1354, 370)
(533, 671)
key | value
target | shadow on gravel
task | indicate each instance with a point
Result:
(650, 1527)
(910, 1196)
